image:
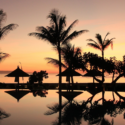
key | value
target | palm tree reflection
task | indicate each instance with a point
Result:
(74, 112)
(41, 93)
(3, 114)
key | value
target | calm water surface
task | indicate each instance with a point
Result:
(30, 110)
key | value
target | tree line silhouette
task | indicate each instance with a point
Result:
(74, 112)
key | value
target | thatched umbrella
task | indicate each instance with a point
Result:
(93, 73)
(17, 73)
(17, 94)
(69, 73)
(70, 95)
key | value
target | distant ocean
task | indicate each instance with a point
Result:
(54, 79)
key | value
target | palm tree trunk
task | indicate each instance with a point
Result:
(60, 80)
(103, 92)
(113, 87)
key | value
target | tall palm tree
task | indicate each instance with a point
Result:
(70, 56)
(57, 35)
(101, 45)
(5, 29)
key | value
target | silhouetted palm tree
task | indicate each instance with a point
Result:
(57, 35)
(71, 113)
(71, 57)
(5, 29)
(101, 45)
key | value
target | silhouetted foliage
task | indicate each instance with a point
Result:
(71, 57)
(101, 44)
(5, 29)
(56, 33)
(55, 108)
(38, 77)
(97, 62)
(74, 112)
(41, 92)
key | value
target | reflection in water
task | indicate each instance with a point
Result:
(55, 108)
(18, 94)
(3, 114)
(40, 91)
(74, 112)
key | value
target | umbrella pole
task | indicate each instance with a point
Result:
(18, 82)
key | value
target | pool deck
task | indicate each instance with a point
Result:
(54, 86)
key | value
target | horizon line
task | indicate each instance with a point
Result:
(8, 71)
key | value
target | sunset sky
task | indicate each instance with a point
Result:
(97, 16)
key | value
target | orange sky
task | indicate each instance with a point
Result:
(97, 16)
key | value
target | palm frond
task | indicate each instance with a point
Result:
(105, 37)
(55, 62)
(73, 35)
(6, 29)
(77, 52)
(2, 17)
(41, 29)
(71, 56)
(107, 43)
(99, 38)
(54, 19)
(44, 37)
(62, 24)
(71, 26)
(39, 35)
(65, 34)
(94, 46)
(55, 108)
(92, 41)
